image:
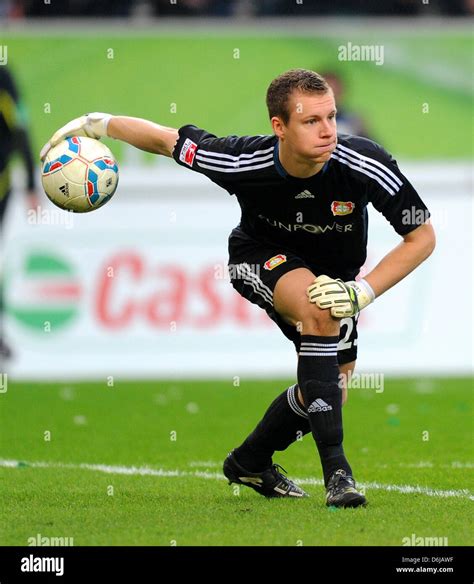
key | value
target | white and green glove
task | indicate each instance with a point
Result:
(92, 125)
(342, 298)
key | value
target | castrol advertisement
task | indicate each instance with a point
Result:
(141, 289)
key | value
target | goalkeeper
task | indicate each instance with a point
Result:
(296, 252)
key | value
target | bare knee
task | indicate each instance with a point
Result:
(315, 321)
(291, 302)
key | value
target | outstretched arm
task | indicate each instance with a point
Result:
(143, 134)
(140, 133)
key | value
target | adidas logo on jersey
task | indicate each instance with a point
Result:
(304, 195)
(319, 405)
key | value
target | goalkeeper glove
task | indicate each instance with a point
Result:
(342, 298)
(92, 125)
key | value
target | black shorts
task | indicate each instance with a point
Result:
(254, 269)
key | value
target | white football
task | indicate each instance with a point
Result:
(79, 174)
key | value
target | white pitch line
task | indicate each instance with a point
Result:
(160, 472)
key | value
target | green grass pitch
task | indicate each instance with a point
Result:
(139, 463)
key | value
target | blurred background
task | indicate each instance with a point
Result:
(131, 288)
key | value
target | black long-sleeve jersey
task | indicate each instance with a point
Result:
(323, 218)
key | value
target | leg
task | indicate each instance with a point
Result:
(318, 372)
(251, 463)
(284, 422)
(286, 418)
(318, 380)
(345, 371)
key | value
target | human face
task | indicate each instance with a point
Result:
(310, 134)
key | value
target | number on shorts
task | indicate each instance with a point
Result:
(345, 343)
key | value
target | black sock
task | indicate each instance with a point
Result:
(283, 423)
(318, 377)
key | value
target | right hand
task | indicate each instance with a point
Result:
(92, 125)
(336, 295)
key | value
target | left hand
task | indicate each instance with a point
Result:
(344, 299)
(92, 125)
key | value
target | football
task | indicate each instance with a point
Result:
(79, 174)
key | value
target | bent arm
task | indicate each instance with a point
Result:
(403, 259)
(143, 134)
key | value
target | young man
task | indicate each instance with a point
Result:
(301, 242)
